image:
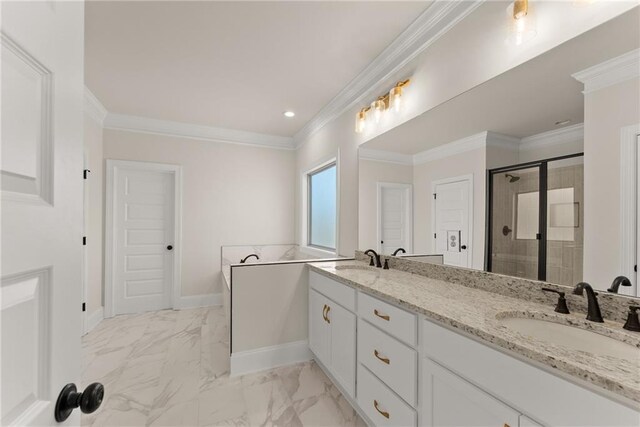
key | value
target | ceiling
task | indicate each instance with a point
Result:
(524, 101)
(236, 65)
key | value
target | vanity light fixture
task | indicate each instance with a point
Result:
(361, 120)
(395, 95)
(390, 100)
(522, 26)
(289, 114)
(379, 106)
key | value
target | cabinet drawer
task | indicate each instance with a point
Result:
(342, 294)
(397, 322)
(381, 405)
(393, 362)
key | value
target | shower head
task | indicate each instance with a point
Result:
(511, 178)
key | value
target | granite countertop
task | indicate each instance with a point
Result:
(478, 313)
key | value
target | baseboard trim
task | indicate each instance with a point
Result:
(245, 362)
(94, 319)
(195, 301)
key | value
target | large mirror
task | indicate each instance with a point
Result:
(523, 175)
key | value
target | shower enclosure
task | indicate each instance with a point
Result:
(535, 220)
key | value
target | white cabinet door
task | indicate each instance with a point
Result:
(343, 346)
(41, 180)
(319, 328)
(451, 401)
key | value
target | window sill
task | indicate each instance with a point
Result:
(310, 250)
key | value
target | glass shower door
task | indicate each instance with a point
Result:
(514, 243)
(565, 221)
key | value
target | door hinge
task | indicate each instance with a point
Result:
(435, 196)
(84, 306)
(84, 240)
(635, 268)
(434, 235)
(85, 173)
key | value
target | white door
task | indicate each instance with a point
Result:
(143, 236)
(450, 401)
(41, 171)
(395, 217)
(452, 220)
(319, 327)
(343, 346)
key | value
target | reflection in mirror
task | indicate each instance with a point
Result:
(520, 175)
(519, 210)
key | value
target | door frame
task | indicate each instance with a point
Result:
(408, 188)
(113, 167)
(434, 184)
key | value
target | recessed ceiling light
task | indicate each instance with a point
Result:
(563, 122)
(289, 114)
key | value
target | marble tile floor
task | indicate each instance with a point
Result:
(171, 368)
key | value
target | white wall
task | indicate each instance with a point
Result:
(93, 147)
(606, 112)
(232, 195)
(370, 173)
(336, 140)
(470, 162)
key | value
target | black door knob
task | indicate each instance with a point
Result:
(463, 247)
(69, 399)
(169, 247)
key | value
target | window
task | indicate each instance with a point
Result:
(322, 207)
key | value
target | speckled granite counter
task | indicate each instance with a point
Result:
(478, 313)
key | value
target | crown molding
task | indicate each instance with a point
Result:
(385, 156)
(192, 131)
(611, 72)
(463, 145)
(432, 24)
(565, 135)
(506, 142)
(93, 107)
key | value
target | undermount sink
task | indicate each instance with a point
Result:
(572, 337)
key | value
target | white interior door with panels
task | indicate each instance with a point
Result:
(41, 171)
(395, 217)
(452, 222)
(143, 227)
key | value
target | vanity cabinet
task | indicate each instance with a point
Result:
(332, 337)
(451, 401)
(412, 371)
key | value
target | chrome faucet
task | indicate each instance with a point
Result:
(593, 308)
(243, 260)
(617, 282)
(372, 254)
(395, 253)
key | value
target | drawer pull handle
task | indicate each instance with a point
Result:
(506, 425)
(326, 316)
(382, 316)
(383, 413)
(324, 311)
(382, 359)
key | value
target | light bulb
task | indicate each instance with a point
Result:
(378, 106)
(521, 22)
(361, 120)
(395, 98)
